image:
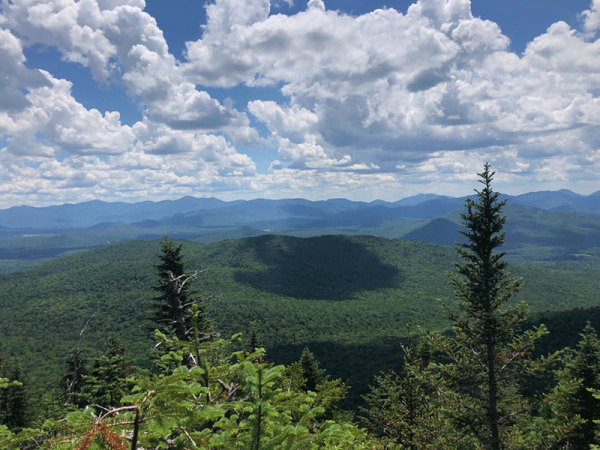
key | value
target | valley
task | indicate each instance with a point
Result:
(348, 298)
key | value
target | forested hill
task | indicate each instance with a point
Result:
(541, 226)
(347, 297)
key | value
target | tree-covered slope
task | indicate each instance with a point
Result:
(29, 236)
(532, 234)
(45, 308)
(347, 297)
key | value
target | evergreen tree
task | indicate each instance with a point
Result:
(489, 355)
(72, 380)
(13, 400)
(311, 371)
(233, 401)
(106, 383)
(76, 369)
(307, 376)
(14, 406)
(253, 343)
(575, 394)
(405, 408)
(176, 305)
(169, 313)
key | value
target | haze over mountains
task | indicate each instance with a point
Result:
(541, 225)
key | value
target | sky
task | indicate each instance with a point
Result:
(132, 100)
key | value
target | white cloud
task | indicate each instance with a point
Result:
(292, 123)
(226, 16)
(15, 78)
(121, 43)
(315, 46)
(173, 146)
(373, 81)
(309, 155)
(592, 17)
(39, 117)
(188, 108)
(380, 100)
(54, 121)
(385, 88)
(442, 13)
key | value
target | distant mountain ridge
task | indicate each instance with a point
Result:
(563, 200)
(245, 212)
(87, 214)
(542, 225)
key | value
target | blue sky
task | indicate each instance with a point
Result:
(131, 100)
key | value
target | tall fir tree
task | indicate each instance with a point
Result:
(169, 313)
(253, 342)
(489, 354)
(71, 381)
(178, 312)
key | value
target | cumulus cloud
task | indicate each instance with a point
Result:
(292, 123)
(108, 37)
(54, 121)
(120, 43)
(15, 78)
(385, 98)
(378, 81)
(592, 17)
(46, 132)
(388, 88)
(314, 46)
(39, 116)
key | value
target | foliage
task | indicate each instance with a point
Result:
(479, 388)
(230, 400)
(574, 395)
(174, 297)
(313, 375)
(71, 382)
(307, 376)
(407, 409)
(44, 308)
(488, 357)
(106, 381)
(177, 312)
(14, 404)
(13, 401)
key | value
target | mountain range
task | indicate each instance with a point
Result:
(541, 225)
(214, 212)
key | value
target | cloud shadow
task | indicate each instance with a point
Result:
(325, 267)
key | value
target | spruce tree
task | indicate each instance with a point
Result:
(13, 400)
(253, 343)
(489, 355)
(577, 390)
(311, 371)
(169, 312)
(14, 407)
(106, 383)
(72, 380)
(178, 311)
(404, 408)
